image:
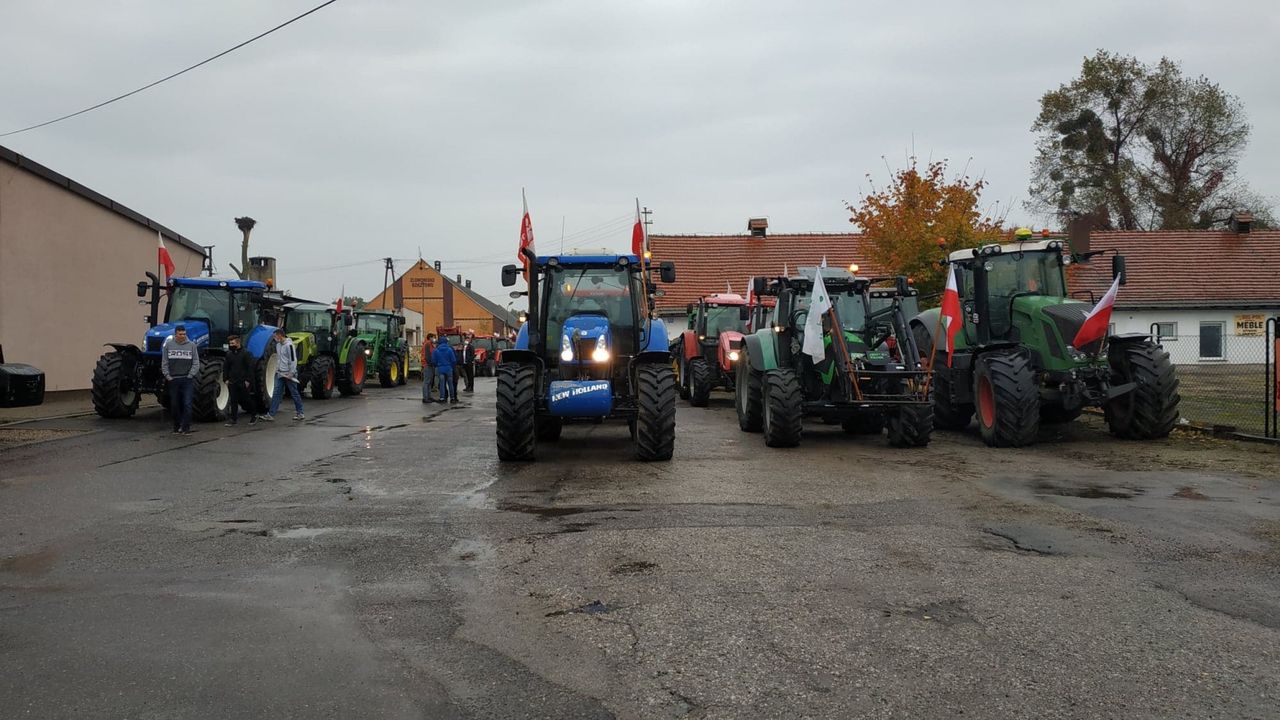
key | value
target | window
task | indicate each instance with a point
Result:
(1211, 340)
(1166, 331)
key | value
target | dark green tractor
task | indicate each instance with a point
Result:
(869, 379)
(381, 333)
(1014, 364)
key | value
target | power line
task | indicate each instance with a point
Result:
(174, 75)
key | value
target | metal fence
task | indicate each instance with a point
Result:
(1227, 381)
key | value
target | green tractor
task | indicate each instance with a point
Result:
(869, 380)
(324, 348)
(1013, 361)
(381, 335)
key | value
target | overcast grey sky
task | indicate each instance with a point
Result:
(378, 127)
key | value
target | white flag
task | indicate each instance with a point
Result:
(819, 304)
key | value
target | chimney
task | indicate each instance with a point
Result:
(437, 266)
(1241, 222)
(758, 226)
(459, 278)
(468, 284)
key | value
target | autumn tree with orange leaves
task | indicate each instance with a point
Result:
(903, 222)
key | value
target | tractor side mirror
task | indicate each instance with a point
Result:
(509, 275)
(744, 312)
(1117, 268)
(143, 287)
(667, 271)
(758, 285)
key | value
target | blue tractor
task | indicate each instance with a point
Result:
(212, 309)
(588, 350)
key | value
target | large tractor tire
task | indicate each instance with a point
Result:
(490, 367)
(699, 382)
(324, 376)
(355, 373)
(749, 397)
(516, 410)
(870, 422)
(266, 379)
(910, 425)
(1150, 410)
(655, 412)
(1008, 399)
(213, 397)
(783, 411)
(549, 429)
(946, 414)
(114, 393)
(389, 370)
(404, 370)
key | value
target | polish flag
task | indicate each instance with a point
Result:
(526, 234)
(751, 290)
(1098, 319)
(951, 316)
(164, 259)
(344, 292)
(639, 241)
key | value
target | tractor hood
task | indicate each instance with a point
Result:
(582, 335)
(197, 332)
(729, 347)
(1061, 314)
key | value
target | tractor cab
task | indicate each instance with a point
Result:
(1010, 288)
(704, 354)
(212, 310)
(380, 334)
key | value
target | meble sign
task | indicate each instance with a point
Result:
(1251, 325)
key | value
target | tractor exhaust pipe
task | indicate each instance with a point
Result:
(536, 341)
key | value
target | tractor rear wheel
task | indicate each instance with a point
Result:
(1008, 399)
(681, 373)
(749, 397)
(783, 414)
(869, 422)
(213, 397)
(353, 375)
(389, 370)
(516, 410)
(549, 428)
(699, 382)
(490, 367)
(114, 393)
(655, 412)
(946, 414)
(910, 425)
(323, 376)
(1150, 410)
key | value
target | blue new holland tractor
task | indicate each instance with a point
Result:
(588, 350)
(212, 309)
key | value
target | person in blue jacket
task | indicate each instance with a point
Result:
(444, 358)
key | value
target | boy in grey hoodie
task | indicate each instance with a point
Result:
(180, 365)
(286, 376)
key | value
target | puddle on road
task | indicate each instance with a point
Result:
(1088, 491)
(301, 533)
(36, 563)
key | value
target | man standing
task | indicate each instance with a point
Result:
(286, 377)
(445, 358)
(237, 371)
(180, 365)
(469, 360)
(428, 367)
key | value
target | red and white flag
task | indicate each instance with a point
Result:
(526, 235)
(1097, 320)
(952, 319)
(344, 292)
(164, 260)
(639, 238)
(751, 290)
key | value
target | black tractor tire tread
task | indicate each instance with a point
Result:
(404, 370)
(204, 407)
(783, 413)
(656, 395)
(749, 397)
(385, 363)
(910, 425)
(516, 411)
(1017, 399)
(107, 378)
(320, 366)
(1155, 399)
(699, 382)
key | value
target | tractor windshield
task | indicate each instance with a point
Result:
(849, 305)
(370, 323)
(484, 343)
(224, 310)
(1014, 274)
(607, 291)
(721, 319)
(307, 321)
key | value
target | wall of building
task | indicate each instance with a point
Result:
(68, 268)
(1238, 347)
(439, 302)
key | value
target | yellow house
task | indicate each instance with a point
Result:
(443, 302)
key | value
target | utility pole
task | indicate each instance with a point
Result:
(647, 222)
(207, 261)
(388, 274)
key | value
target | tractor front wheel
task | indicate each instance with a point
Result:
(114, 392)
(783, 414)
(516, 409)
(699, 382)
(323, 377)
(1150, 410)
(404, 370)
(353, 376)
(213, 397)
(389, 370)
(655, 412)
(1008, 399)
(910, 425)
(749, 396)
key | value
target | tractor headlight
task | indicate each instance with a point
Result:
(601, 353)
(733, 356)
(566, 348)
(368, 352)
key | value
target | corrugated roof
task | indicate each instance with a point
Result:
(1186, 268)
(704, 263)
(25, 163)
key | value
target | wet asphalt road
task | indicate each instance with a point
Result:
(377, 561)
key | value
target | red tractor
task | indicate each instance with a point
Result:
(706, 353)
